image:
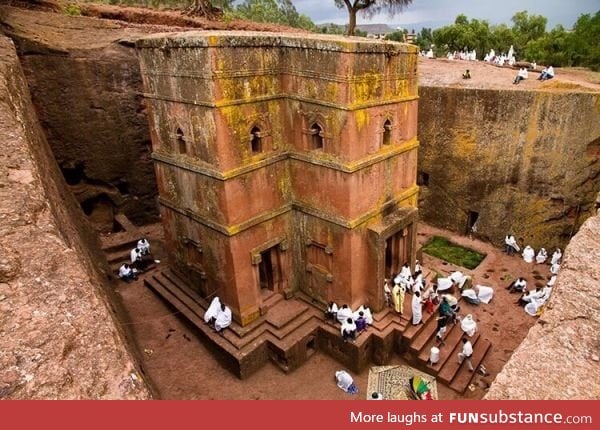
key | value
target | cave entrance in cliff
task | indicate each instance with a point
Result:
(269, 270)
(397, 251)
(101, 213)
(472, 222)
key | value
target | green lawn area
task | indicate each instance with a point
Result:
(442, 248)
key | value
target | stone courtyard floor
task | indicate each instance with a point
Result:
(180, 365)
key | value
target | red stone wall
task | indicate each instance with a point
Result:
(316, 206)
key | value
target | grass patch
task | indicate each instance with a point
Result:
(443, 249)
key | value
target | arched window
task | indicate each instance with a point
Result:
(387, 132)
(181, 146)
(255, 140)
(317, 136)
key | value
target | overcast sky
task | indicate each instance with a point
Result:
(435, 13)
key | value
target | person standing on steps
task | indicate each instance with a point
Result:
(466, 353)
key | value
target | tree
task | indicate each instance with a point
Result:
(527, 29)
(204, 8)
(275, 11)
(369, 8)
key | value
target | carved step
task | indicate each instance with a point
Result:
(463, 378)
(428, 331)
(451, 339)
(451, 367)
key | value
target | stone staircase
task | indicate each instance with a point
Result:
(275, 335)
(289, 330)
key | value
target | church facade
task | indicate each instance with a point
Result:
(284, 163)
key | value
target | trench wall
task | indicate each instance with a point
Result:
(559, 358)
(58, 336)
(526, 162)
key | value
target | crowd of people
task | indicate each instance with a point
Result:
(140, 258)
(533, 300)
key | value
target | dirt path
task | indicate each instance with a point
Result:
(181, 365)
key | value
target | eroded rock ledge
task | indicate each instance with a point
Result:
(58, 337)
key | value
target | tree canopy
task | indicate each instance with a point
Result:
(369, 8)
(528, 36)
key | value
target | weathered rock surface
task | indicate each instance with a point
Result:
(58, 337)
(559, 357)
(86, 87)
(524, 161)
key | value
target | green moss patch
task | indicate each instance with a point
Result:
(442, 248)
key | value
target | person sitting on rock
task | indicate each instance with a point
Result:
(137, 259)
(331, 312)
(366, 313)
(127, 273)
(547, 73)
(348, 330)
(211, 313)
(223, 318)
(467, 74)
(517, 286)
(144, 246)
(521, 75)
(360, 322)
(528, 254)
(344, 313)
(541, 256)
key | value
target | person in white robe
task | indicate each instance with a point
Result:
(127, 273)
(459, 279)
(344, 380)
(541, 256)
(418, 267)
(348, 329)
(484, 294)
(213, 309)
(511, 244)
(144, 246)
(470, 295)
(444, 284)
(551, 281)
(418, 283)
(556, 256)
(538, 301)
(331, 312)
(517, 286)
(528, 296)
(555, 268)
(344, 313)
(417, 309)
(528, 254)
(468, 325)
(429, 53)
(405, 271)
(223, 319)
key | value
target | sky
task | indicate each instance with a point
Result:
(436, 13)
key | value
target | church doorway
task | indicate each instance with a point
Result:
(269, 270)
(397, 251)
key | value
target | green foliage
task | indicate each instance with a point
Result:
(368, 8)
(443, 249)
(397, 36)
(72, 9)
(273, 11)
(528, 35)
(424, 39)
(527, 28)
